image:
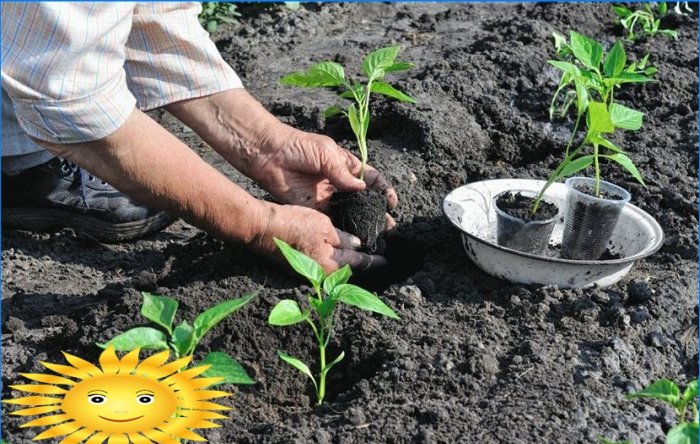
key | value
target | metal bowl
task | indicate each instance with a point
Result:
(470, 208)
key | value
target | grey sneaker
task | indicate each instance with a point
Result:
(59, 194)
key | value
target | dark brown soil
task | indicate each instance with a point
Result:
(473, 359)
(363, 215)
(602, 194)
(517, 205)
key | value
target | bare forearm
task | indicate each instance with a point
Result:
(144, 161)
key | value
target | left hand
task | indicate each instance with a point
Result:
(305, 169)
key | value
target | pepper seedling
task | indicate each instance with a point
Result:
(686, 432)
(184, 338)
(375, 66)
(647, 19)
(592, 74)
(329, 290)
(215, 13)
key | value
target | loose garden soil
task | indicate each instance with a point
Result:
(473, 359)
(520, 206)
(363, 215)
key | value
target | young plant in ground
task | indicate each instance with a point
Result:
(593, 76)
(215, 13)
(375, 67)
(664, 390)
(329, 290)
(647, 19)
(184, 338)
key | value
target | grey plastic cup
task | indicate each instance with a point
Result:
(515, 233)
(589, 221)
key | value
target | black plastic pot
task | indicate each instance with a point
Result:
(528, 236)
(589, 221)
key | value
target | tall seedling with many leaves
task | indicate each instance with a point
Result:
(375, 67)
(329, 290)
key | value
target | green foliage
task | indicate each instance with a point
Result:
(648, 19)
(666, 391)
(215, 13)
(375, 66)
(589, 77)
(329, 291)
(184, 338)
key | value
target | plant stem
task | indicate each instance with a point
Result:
(573, 134)
(597, 170)
(322, 376)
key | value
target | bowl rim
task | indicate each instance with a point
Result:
(628, 207)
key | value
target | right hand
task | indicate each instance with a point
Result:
(312, 233)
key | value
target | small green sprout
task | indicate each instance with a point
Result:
(329, 290)
(592, 76)
(184, 338)
(215, 13)
(664, 390)
(650, 24)
(375, 66)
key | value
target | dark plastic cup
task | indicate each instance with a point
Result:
(590, 221)
(515, 233)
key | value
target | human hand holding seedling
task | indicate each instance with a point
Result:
(329, 290)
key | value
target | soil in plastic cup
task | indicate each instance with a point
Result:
(517, 234)
(590, 221)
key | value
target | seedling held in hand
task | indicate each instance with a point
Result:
(647, 19)
(375, 67)
(592, 75)
(329, 290)
(184, 338)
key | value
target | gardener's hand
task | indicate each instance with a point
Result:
(313, 234)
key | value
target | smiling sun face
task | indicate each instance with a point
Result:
(123, 401)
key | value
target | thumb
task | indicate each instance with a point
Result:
(342, 178)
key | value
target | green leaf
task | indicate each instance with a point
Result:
(566, 67)
(224, 366)
(297, 364)
(633, 77)
(669, 33)
(212, 26)
(691, 391)
(582, 97)
(326, 308)
(333, 111)
(625, 118)
(615, 60)
(390, 91)
(663, 390)
(286, 312)
(209, 318)
(627, 164)
(321, 74)
(621, 11)
(145, 338)
(327, 368)
(293, 6)
(302, 263)
(587, 51)
(375, 64)
(560, 42)
(159, 309)
(182, 338)
(576, 165)
(354, 121)
(361, 298)
(338, 277)
(315, 303)
(598, 119)
(683, 433)
(399, 66)
(607, 144)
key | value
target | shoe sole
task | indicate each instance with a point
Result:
(47, 219)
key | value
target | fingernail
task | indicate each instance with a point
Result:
(359, 182)
(355, 242)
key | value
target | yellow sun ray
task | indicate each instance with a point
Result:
(180, 430)
(146, 367)
(82, 364)
(97, 438)
(34, 400)
(109, 362)
(36, 410)
(201, 414)
(59, 430)
(118, 439)
(170, 368)
(46, 420)
(40, 389)
(203, 395)
(48, 379)
(128, 362)
(159, 437)
(138, 439)
(178, 383)
(66, 370)
(77, 437)
(201, 405)
(189, 373)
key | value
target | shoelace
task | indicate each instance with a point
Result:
(67, 166)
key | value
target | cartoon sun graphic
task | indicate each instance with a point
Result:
(123, 401)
